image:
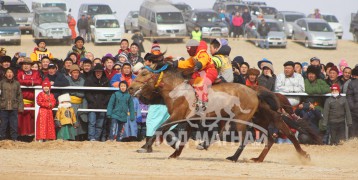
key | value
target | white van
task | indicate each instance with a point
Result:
(160, 18)
(50, 3)
(106, 29)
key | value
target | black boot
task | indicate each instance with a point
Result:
(146, 148)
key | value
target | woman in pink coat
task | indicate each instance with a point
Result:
(237, 22)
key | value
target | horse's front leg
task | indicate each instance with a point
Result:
(182, 139)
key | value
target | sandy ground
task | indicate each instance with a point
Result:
(112, 160)
(90, 160)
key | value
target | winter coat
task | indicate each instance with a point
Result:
(311, 116)
(82, 24)
(110, 74)
(33, 79)
(237, 21)
(246, 17)
(120, 106)
(37, 55)
(337, 81)
(134, 59)
(317, 87)
(45, 125)
(336, 110)
(72, 26)
(263, 30)
(239, 79)
(294, 84)
(97, 99)
(267, 82)
(58, 79)
(11, 95)
(352, 97)
(76, 95)
(64, 118)
(80, 52)
(222, 59)
(117, 78)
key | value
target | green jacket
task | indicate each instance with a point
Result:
(10, 95)
(120, 105)
(317, 87)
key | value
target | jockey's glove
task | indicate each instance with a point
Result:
(198, 66)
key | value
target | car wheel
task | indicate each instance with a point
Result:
(339, 37)
(125, 29)
(257, 42)
(307, 43)
(293, 36)
(284, 47)
(18, 43)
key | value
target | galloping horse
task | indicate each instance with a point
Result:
(159, 80)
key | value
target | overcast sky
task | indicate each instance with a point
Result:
(341, 8)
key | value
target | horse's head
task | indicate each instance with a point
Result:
(144, 88)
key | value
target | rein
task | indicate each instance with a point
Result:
(154, 76)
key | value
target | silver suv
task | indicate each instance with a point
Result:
(51, 23)
(20, 12)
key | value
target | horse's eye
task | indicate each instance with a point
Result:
(144, 74)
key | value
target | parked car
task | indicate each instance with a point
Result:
(131, 21)
(94, 9)
(353, 28)
(335, 25)
(53, 3)
(9, 30)
(267, 11)
(276, 36)
(51, 23)
(183, 7)
(288, 18)
(160, 18)
(314, 33)
(229, 7)
(21, 13)
(209, 22)
(106, 29)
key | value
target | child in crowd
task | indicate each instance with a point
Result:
(45, 127)
(120, 106)
(66, 118)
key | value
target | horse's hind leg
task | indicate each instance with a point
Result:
(265, 150)
(281, 125)
(235, 157)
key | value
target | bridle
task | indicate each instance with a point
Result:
(157, 75)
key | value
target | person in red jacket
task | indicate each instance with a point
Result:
(27, 77)
(237, 22)
(205, 72)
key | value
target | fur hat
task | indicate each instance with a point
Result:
(46, 83)
(314, 70)
(38, 41)
(98, 67)
(355, 71)
(79, 38)
(64, 97)
(26, 60)
(335, 87)
(5, 59)
(238, 60)
(253, 71)
(74, 67)
(334, 68)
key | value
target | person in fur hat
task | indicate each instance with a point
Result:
(253, 74)
(65, 118)
(45, 127)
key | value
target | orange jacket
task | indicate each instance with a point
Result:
(37, 55)
(201, 55)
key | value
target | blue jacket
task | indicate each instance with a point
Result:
(119, 105)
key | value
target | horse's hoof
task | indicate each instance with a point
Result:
(231, 158)
(143, 150)
(256, 160)
(308, 157)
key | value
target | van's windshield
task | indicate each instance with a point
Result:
(170, 18)
(17, 8)
(107, 23)
(59, 5)
(99, 9)
(52, 18)
(7, 22)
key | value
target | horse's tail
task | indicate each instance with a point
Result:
(284, 103)
(269, 98)
(303, 127)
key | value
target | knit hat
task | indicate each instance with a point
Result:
(63, 98)
(335, 87)
(264, 60)
(253, 71)
(192, 42)
(334, 68)
(5, 59)
(79, 38)
(314, 70)
(98, 67)
(74, 67)
(268, 65)
(315, 59)
(107, 57)
(289, 63)
(137, 67)
(343, 63)
(123, 54)
(38, 41)
(46, 83)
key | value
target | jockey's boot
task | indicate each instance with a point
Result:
(145, 148)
